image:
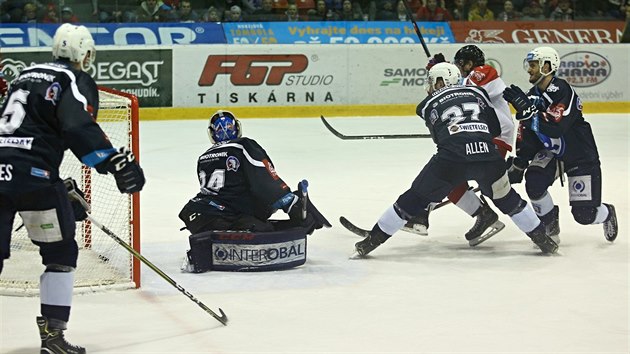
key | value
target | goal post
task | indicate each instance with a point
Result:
(102, 263)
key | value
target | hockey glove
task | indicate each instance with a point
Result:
(437, 58)
(127, 173)
(80, 206)
(516, 169)
(523, 106)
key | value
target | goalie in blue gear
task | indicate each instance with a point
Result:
(240, 188)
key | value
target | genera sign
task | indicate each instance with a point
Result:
(579, 32)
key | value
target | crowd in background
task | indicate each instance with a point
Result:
(87, 11)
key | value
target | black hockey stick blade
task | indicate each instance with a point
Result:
(353, 228)
(223, 318)
(371, 137)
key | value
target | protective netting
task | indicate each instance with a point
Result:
(102, 263)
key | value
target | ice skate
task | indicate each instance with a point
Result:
(419, 225)
(53, 341)
(486, 219)
(369, 244)
(610, 225)
(542, 240)
(552, 223)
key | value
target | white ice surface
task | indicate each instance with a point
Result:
(413, 295)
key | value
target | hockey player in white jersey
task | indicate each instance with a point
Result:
(471, 62)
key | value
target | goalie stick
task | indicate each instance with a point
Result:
(371, 137)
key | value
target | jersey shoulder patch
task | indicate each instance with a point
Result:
(482, 75)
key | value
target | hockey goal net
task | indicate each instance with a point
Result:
(102, 263)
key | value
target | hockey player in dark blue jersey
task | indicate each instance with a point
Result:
(50, 108)
(554, 139)
(239, 191)
(462, 122)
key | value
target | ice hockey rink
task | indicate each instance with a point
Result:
(414, 294)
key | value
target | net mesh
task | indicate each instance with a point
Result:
(102, 263)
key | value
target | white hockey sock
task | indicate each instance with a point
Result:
(469, 202)
(526, 219)
(543, 205)
(390, 222)
(56, 288)
(602, 214)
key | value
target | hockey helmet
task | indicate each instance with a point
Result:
(469, 52)
(74, 43)
(543, 55)
(448, 72)
(223, 126)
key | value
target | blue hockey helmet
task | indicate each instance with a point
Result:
(223, 126)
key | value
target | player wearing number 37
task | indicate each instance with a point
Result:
(462, 122)
(52, 107)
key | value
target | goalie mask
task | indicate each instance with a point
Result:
(448, 72)
(223, 126)
(74, 43)
(543, 55)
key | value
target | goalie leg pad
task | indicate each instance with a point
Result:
(247, 251)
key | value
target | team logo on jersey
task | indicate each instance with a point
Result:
(232, 163)
(53, 92)
(433, 116)
(552, 88)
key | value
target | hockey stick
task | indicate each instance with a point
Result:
(364, 232)
(415, 27)
(223, 318)
(371, 137)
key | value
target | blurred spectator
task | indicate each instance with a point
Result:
(235, 14)
(335, 5)
(508, 13)
(292, 13)
(401, 12)
(117, 11)
(533, 11)
(51, 14)
(30, 13)
(625, 37)
(68, 16)
(265, 13)
(319, 13)
(562, 12)
(386, 13)
(213, 15)
(432, 12)
(245, 6)
(149, 11)
(185, 13)
(349, 13)
(459, 11)
(481, 12)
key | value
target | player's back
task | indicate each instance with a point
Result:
(32, 134)
(237, 176)
(462, 122)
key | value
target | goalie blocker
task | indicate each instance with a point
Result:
(246, 251)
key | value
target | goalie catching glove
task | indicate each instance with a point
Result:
(80, 206)
(126, 170)
(525, 109)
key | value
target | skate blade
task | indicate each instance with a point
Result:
(356, 255)
(422, 231)
(494, 229)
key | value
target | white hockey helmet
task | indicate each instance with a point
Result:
(223, 126)
(543, 55)
(448, 72)
(74, 43)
